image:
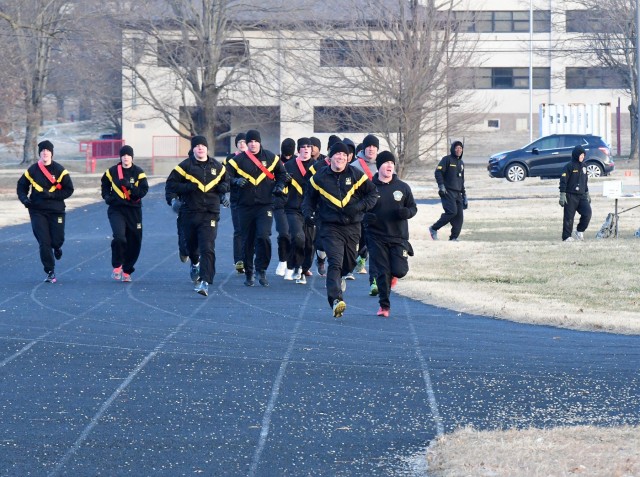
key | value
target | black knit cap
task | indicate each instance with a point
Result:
(240, 137)
(288, 147)
(199, 140)
(338, 147)
(384, 156)
(350, 145)
(126, 150)
(332, 140)
(575, 154)
(253, 135)
(370, 140)
(48, 145)
(315, 142)
(303, 141)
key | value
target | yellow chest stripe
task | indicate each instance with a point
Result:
(40, 188)
(254, 180)
(333, 199)
(202, 187)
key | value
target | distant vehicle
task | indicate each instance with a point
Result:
(108, 136)
(546, 157)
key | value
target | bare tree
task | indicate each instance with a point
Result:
(604, 34)
(203, 47)
(391, 66)
(35, 26)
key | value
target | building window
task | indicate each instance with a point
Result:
(502, 21)
(585, 21)
(493, 123)
(500, 78)
(336, 119)
(595, 78)
(173, 53)
(355, 53)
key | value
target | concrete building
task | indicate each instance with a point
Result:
(499, 106)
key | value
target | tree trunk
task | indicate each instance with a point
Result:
(33, 118)
(633, 154)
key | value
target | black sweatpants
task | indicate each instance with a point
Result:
(255, 223)
(202, 230)
(453, 213)
(390, 259)
(302, 238)
(126, 225)
(48, 229)
(341, 246)
(575, 203)
(237, 232)
(284, 237)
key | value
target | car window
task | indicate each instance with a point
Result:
(546, 143)
(572, 141)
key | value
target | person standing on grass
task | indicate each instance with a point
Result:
(201, 181)
(42, 189)
(123, 187)
(574, 196)
(338, 196)
(388, 229)
(450, 178)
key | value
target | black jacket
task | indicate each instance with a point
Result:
(339, 197)
(394, 195)
(450, 172)
(298, 185)
(135, 182)
(44, 195)
(199, 184)
(574, 178)
(259, 189)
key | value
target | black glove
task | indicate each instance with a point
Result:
(310, 220)
(288, 179)
(240, 182)
(370, 218)
(588, 197)
(442, 190)
(278, 190)
(403, 213)
(26, 202)
(352, 209)
(176, 204)
(123, 183)
(224, 200)
(465, 202)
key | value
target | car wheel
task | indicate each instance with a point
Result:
(515, 173)
(594, 169)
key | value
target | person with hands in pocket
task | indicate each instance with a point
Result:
(42, 189)
(574, 196)
(123, 186)
(388, 229)
(201, 182)
(450, 178)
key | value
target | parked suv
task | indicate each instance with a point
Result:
(546, 157)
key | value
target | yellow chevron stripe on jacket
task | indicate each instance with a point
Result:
(296, 186)
(334, 200)
(250, 178)
(196, 181)
(117, 189)
(38, 187)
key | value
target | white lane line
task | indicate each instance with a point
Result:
(433, 403)
(275, 390)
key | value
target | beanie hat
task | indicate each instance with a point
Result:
(332, 140)
(338, 147)
(384, 156)
(350, 145)
(315, 142)
(359, 148)
(48, 145)
(288, 147)
(253, 135)
(240, 137)
(199, 140)
(370, 140)
(303, 141)
(126, 150)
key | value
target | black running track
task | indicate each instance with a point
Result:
(150, 378)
